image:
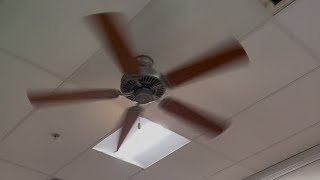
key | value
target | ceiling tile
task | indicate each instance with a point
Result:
(97, 166)
(12, 172)
(271, 120)
(174, 31)
(101, 72)
(192, 162)
(301, 19)
(53, 33)
(234, 172)
(80, 127)
(16, 77)
(285, 149)
(274, 62)
(241, 17)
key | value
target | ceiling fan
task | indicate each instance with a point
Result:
(142, 84)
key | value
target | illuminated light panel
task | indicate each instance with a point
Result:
(145, 146)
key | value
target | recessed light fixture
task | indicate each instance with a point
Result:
(143, 146)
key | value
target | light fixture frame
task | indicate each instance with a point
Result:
(145, 144)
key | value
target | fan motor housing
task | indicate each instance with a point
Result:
(145, 87)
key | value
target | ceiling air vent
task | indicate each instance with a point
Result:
(276, 5)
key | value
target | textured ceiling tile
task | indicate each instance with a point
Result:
(192, 162)
(285, 149)
(272, 120)
(101, 72)
(80, 127)
(12, 172)
(53, 33)
(174, 31)
(301, 19)
(16, 77)
(234, 172)
(275, 60)
(98, 166)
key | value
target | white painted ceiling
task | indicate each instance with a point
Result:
(272, 104)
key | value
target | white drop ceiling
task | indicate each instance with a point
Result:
(272, 104)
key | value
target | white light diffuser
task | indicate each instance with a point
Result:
(145, 146)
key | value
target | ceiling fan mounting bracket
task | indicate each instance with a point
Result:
(144, 61)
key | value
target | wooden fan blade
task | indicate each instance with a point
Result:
(111, 35)
(45, 98)
(188, 114)
(130, 117)
(204, 65)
